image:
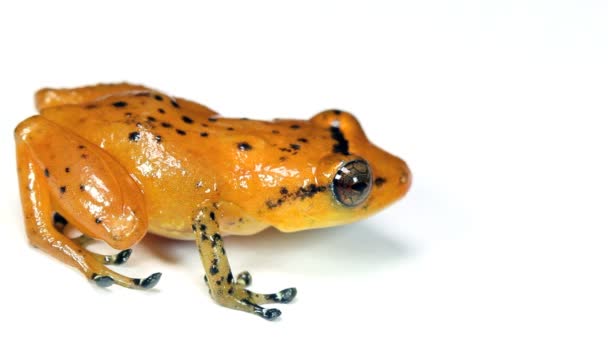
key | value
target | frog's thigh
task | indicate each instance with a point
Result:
(48, 97)
(42, 150)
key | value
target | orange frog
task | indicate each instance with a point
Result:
(119, 160)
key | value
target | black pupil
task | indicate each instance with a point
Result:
(352, 183)
(359, 186)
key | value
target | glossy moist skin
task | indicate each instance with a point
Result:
(116, 161)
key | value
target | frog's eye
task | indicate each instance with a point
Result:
(353, 183)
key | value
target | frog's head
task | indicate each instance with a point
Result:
(348, 178)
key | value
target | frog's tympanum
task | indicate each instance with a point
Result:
(116, 161)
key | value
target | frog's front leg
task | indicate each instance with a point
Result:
(223, 287)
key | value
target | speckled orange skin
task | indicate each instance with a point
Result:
(120, 160)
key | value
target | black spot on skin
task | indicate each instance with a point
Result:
(62, 189)
(380, 181)
(81, 146)
(90, 106)
(309, 191)
(67, 170)
(282, 158)
(204, 124)
(82, 187)
(285, 149)
(59, 221)
(119, 104)
(213, 269)
(284, 191)
(303, 140)
(98, 220)
(218, 282)
(212, 119)
(151, 119)
(230, 128)
(158, 138)
(204, 134)
(166, 124)
(215, 239)
(212, 215)
(143, 93)
(187, 119)
(180, 132)
(337, 111)
(160, 110)
(295, 146)
(244, 146)
(271, 204)
(174, 103)
(134, 136)
(294, 126)
(84, 156)
(158, 97)
(274, 131)
(128, 114)
(341, 145)
(47, 173)
(229, 278)
(223, 251)
(231, 290)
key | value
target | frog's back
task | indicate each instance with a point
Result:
(150, 135)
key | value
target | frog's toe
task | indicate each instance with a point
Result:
(116, 259)
(148, 282)
(244, 279)
(103, 281)
(269, 314)
(284, 296)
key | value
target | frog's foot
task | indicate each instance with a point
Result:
(244, 279)
(223, 287)
(59, 222)
(109, 277)
(115, 259)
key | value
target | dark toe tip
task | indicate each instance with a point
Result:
(123, 256)
(244, 278)
(151, 281)
(103, 281)
(271, 314)
(288, 295)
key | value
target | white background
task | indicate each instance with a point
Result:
(498, 107)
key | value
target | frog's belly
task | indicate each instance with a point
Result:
(182, 230)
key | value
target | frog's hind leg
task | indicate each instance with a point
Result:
(224, 289)
(47, 186)
(47, 97)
